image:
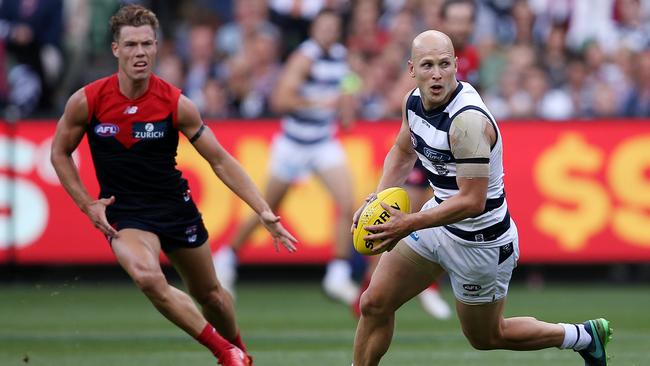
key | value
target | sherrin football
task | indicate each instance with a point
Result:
(374, 214)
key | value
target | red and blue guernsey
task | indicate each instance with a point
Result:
(133, 144)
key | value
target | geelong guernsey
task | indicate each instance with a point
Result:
(133, 144)
(328, 68)
(430, 139)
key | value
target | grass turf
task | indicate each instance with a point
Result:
(290, 324)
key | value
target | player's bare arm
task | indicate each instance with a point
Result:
(286, 99)
(397, 164)
(229, 170)
(69, 131)
(471, 134)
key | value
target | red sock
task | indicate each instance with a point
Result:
(213, 341)
(239, 343)
(434, 286)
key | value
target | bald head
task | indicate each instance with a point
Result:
(433, 65)
(431, 41)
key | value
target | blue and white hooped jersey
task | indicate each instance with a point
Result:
(430, 139)
(329, 67)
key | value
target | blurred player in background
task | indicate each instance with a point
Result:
(132, 120)
(465, 230)
(312, 93)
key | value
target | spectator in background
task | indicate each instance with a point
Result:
(632, 31)
(170, 68)
(578, 86)
(215, 98)
(201, 64)
(236, 74)
(601, 69)
(638, 102)
(554, 56)
(263, 61)
(429, 12)
(365, 36)
(458, 17)
(605, 102)
(249, 17)
(545, 102)
(523, 20)
(505, 101)
(591, 21)
(31, 31)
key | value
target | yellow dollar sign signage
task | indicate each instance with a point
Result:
(627, 176)
(580, 207)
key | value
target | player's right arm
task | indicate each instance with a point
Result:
(398, 163)
(69, 131)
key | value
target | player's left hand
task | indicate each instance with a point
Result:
(390, 232)
(272, 223)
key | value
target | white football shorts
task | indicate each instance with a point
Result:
(478, 274)
(292, 161)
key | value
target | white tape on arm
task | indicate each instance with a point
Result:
(470, 144)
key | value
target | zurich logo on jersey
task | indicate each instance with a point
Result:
(106, 129)
(149, 130)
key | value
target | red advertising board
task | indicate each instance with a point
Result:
(578, 191)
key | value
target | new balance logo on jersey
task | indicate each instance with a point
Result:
(149, 130)
(106, 129)
(131, 109)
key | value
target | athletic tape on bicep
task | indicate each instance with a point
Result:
(470, 144)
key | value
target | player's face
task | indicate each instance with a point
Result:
(434, 70)
(326, 29)
(136, 51)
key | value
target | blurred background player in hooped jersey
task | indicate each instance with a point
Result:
(314, 93)
(457, 20)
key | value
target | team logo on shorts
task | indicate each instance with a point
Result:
(106, 129)
(187, 196)
(190, 232)
(414, 235)
(149, 130)
(471, 287)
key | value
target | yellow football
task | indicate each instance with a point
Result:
(374, 214)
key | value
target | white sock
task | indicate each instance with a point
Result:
(339, 269)
(575, 337)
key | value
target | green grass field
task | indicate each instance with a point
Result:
(290, 324)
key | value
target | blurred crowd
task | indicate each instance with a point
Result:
(550, 59)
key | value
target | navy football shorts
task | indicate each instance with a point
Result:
(177, 226)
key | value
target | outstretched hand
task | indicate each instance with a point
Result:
(272, 223)
(390, 232)
(96, 212)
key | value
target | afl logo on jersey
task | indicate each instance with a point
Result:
(106, 130)
(149, 130)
